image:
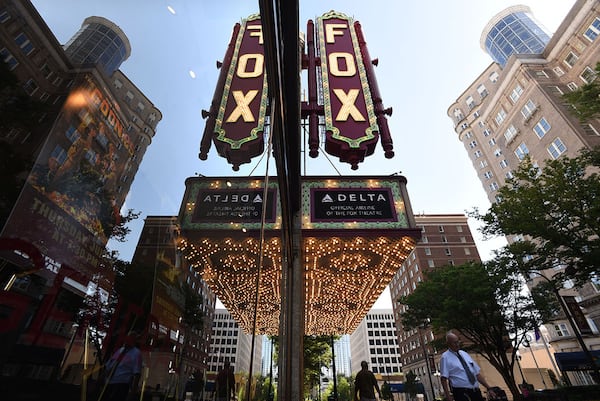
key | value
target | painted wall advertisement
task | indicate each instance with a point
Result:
(68, 206)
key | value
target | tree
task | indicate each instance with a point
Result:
(585, 101)
(557, 211)
(484, 302)
(317, 354)
(344, 389)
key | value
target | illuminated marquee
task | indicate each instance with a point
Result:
(350, 121)
(240, 118)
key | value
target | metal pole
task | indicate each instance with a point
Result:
(335, 393)
(426, 362)
(528, 345)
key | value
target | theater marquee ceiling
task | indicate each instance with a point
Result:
(356, 233)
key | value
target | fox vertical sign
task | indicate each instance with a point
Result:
(240, 103)
(350, 120)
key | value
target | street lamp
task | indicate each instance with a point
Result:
(528, 345)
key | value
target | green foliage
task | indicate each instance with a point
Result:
(317, 354)
(585, 101)
(557, 210)
(193, 317)
(484, 302)
(344, 389)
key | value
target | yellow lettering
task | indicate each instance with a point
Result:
(333, 30)
(241, 109)
(243, 65)
(256, 31)
(348, 108)
(334, 66)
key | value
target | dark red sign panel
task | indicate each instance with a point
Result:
(239, 124)
(350, 121)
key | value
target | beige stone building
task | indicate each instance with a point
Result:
(514, 108)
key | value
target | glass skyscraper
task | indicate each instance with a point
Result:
(99, 42)
(513, 31)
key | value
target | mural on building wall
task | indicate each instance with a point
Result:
(68, 206)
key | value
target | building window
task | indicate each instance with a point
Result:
(540, 74)
(467, 251)
(558, 71)
(472, 144)
(500, 116)
(542, 127)
(488, 175)
(448, 251)
(561, 330)
(571, 59)
(509, 175)
(590, 130)
(497, 153)
(24, 43)
(572, 86)
(494, 186)
(487, 132)
(441, 229)
(4, 16)
(30, 87)
(427, 251)
(469, 135)
(521, 151)
(430, 263)
(503, 163)
(9, 59)
(556, 148)
(477, 154)
(510, 133)
(516, 93)
(494, 77)
(492, 142)
(528, 110)
(481, 89)
(555, 90)
(470, 102)
(588, 75)
(483, 164)
(459, 229)
(594, 29)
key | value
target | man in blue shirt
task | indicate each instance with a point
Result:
(124, 367)
(460, 374)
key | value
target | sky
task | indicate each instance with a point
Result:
(428, 52)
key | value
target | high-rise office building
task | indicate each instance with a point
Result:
(85, 131)
(514, 108)
(228, 342)
(446, 240)
(375, 341)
